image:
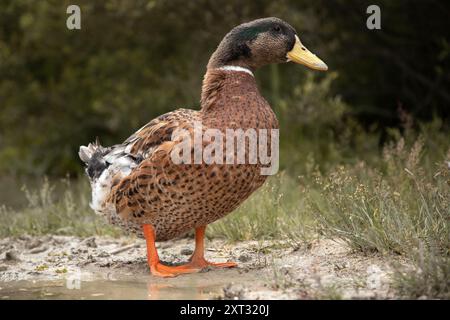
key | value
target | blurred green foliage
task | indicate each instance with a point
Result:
(133, 60)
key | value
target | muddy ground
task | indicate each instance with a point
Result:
(63, 267)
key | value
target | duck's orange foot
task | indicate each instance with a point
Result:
(161, 270)
(202, 263)
(229, 264)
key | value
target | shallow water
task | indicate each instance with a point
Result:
(104, 289)
(99, 286)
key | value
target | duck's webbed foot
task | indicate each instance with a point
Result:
(198, 260)
(201, 263)
(162, 270)
(156, 267)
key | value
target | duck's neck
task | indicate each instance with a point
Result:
(225, 82)
(228, 56)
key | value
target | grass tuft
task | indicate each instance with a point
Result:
(429, 277)
(61, 208)
(392, 209)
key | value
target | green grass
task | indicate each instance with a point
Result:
(276, 211)
(390, 211)
(64, 210)
(402, 206)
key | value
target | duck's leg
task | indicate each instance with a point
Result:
(198, 260)
(156, 267)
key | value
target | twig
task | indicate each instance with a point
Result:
(126, 248)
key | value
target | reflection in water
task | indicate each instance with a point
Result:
(192, 290)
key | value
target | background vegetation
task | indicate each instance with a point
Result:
(134, 60)
(364, 147)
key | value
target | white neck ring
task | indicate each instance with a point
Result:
(236, 68)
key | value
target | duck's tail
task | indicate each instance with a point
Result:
(106, 167)
(94, 157)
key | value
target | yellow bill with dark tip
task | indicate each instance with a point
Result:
(299, 54)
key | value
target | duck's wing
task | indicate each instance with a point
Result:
(151, 146)
(144, 141)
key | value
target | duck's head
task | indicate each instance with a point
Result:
(260, 42)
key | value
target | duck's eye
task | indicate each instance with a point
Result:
(277, 28)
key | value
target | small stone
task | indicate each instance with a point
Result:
(25, 237)
(286, 269)
(89, 242)
(340, 266)
(105, 264)
(103, 254)
(233, 292)
(59, 239)
(90, 259)
(3, 268)
(244, 258)
(164, 245)
(12, 256)
(38, 250)
(33, 244)
(186, 252)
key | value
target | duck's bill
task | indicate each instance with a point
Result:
(299, 54)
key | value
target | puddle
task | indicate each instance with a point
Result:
(59, 267)
(72, 287)
(88, 285)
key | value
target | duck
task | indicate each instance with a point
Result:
(138, 186)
